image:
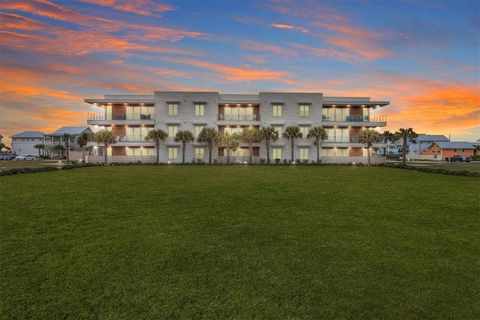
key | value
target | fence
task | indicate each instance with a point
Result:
(364, 160)
(121, 159)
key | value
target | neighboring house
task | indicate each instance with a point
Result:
(57, 137)
(130, 117)
(23, 143)
(394, 148)
(446, 150)
(423, 142)
(476, 144)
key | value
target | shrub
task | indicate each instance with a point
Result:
(277, 160)
(262, 160)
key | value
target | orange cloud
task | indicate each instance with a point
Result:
(326, 52)
(366, 49)
(68, 42)
(235, 73)
(50, 10)
(289, 27)
(141, 7)
(264, 47)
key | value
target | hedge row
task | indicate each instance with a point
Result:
(465, 173)
(12, 171)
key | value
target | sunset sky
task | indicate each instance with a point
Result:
(423, 56)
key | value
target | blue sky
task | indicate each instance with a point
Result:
(423, 56)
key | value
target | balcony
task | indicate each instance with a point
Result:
(119, 119)
(348, 142)
(360, 120)
(238, 119)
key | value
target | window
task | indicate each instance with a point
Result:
(304, 130)
(198, 129)
(341, 114)
(172, 109)
(304, 110)
(279, 130)
(341, 152)
(330, 135)
(199, 109)
(135, 134)
(277, 110)
(303, 154)
(277, 153)
(199, 153)
(342, 135)
(172, 131)
(172, 153)
(232, 130)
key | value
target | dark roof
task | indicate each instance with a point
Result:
(73, 131)
(431, 137)
(29, 134)
(455, 145)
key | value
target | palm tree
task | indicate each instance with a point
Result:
(184, 136)
(58, 149)
(319, 134)
(66, 141)
(40, 147)
(83, 139)
(228, 141)
(388, 136)
(292, 133)
(106, 138)
(250, 135)
(406, 134)
(157, 136)
(268, 134)
(369, 137)
(208, 136)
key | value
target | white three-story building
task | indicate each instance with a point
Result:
(130, 117)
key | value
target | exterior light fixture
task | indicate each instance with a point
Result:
(238, 104)
(249, 104)
(169, 162)
(353, 162)
(348, 105)
(245, 162)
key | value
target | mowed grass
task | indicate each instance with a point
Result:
(4, 164)
(239, 242)
(473, 166)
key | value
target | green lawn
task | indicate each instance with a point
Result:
(239, 242)
(27, 163)
(473, 166)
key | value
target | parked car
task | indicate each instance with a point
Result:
(459, 159)
(25, 157)
(7, 156)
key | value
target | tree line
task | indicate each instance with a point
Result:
(251, 135)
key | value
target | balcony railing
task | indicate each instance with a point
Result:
(371, 118)
(358, 159)
(247, 117)
(343, 140)
(131, 139)
(97, 116)
(120, 159)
